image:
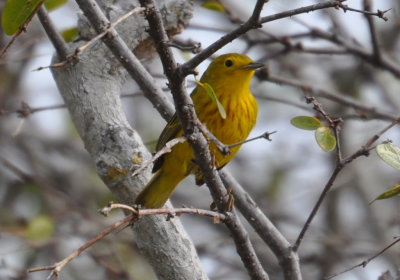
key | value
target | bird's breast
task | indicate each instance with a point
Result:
(241, 114)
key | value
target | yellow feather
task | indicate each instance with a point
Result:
(229, 75)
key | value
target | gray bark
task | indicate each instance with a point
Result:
(91, 89)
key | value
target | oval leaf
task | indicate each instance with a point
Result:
(393, 191)
(16, 13)
(213, 97)
(69, 34)
(214, 6)
(306, 122)
(325, 139)
(40, 228)
(54, 4)
(390, 154)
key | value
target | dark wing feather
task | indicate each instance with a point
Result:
(170, 132)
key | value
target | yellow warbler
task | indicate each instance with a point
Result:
(229, 76)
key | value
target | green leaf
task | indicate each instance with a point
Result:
(214, 6)
(393, 191)
(16, 13)
(69, 34)
(325, 139)
(306, 122)
(390, 154)
(40, 228)
(54, 4)
(213, 97)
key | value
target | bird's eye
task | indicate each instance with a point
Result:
(228, 63)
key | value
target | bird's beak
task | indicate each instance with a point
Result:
(254, 65)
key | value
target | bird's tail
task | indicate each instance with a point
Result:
(158, 190)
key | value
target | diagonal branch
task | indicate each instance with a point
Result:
(51, 31)
(288, 259)
(126, 57)
(366, 262)
(252, 23)
(368, 56)
(188, 119)
(372, 30)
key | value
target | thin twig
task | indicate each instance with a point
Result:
(19, 127)
(162, 211)
(363, 151)
(56, 268)
(79, 50)
(385, 63)
(194, 47)
(252, 23)
(367, 11)
(111, 27)
(224, 149)
(266, 135)
(283, 101)
(368, 112)
(166, 149)
(372, 31)
(21, 29)
(217, 217)
(339, 166)
(320, 110)
(367, 261)
(26, 110)
(15, 169)
(302, 10)
(51, 31)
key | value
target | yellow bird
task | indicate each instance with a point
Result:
(229, 76)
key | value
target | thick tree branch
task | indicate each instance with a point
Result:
(91, 89)
(126, 57)
(288, 259)
(188, 119)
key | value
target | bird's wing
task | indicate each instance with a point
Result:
(170, 132)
